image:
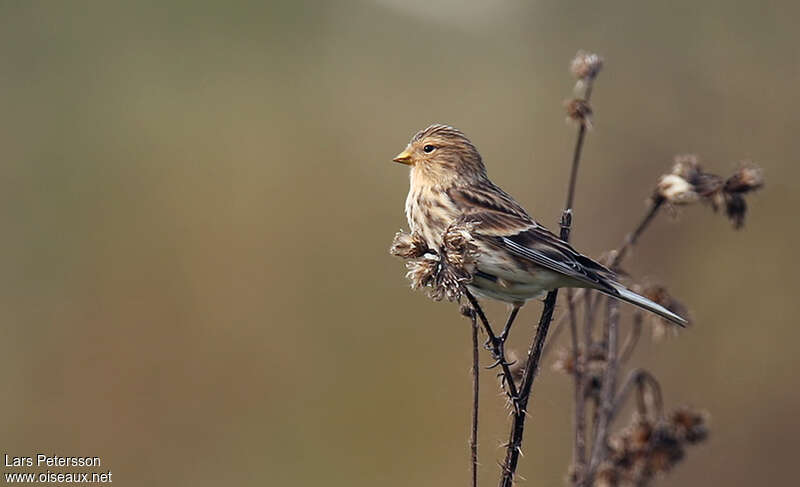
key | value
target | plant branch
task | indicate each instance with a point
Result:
(473, 440)
(607, 393)
(638, 378)
(495, 343)
(535, 352)
(633, 237)
(521, 403)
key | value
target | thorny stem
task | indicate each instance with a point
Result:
(473, 440)
(531, 366)
(497, 349)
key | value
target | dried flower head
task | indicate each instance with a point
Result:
(408, 245)
(646, 448)
(579, 111)
(690, 425)
(748, 178)
(675, 190)
(445, 271)
(586, 65)
(459, 247)
(688, 183)
(735, 209)
(607, 475)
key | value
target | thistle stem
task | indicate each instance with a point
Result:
(497, 348)
(473, 440)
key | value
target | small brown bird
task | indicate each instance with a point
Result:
(518, 259)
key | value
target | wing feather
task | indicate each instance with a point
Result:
(506, 225)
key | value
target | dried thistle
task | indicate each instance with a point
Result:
(408, 245)
(747, 178)
(586, 65)
(579, 111)
(687, 183)
(445, 271)
(646, 448)
(690, 425)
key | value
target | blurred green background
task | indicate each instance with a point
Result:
(198, 199)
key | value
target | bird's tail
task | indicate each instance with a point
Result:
(625, 294)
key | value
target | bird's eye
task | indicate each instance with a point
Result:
(428, 149)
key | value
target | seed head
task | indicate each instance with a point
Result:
(748, 178)
(586, 65)
(445, 271)
(579, 111)
(408, 245)
(675, 190)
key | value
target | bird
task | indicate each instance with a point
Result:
(518, 258)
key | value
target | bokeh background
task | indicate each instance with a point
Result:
(198, 199)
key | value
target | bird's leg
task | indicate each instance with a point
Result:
(509, 322)
(495, 348)
(498, 347)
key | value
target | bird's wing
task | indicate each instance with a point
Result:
(502, 222)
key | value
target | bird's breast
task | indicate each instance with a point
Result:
(430, 211)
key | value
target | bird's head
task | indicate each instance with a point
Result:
(442, 155)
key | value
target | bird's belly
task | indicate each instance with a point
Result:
(501, 277)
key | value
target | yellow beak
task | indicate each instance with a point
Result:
(403, 157)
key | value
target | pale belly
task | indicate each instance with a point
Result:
(498, 277)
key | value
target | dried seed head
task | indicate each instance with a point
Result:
(445, 272)
(579, 111)
(690, 425)
(459, 247)
(644, 449)
(607, 475)
(675, 190)
(586, 65)
(686, 166)
(422, 270)
(735, 209)
(408, 245)
(748, 178)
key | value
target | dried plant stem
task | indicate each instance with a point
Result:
(495, 343)
(608, 391)
(579, 421)
(633, 237)
(521, 403)
(632, 338)
(639, 378)
(579, 418)
(535, 352)
(473, 440)
(617, 257)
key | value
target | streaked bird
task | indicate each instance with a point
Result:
(518, 258)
